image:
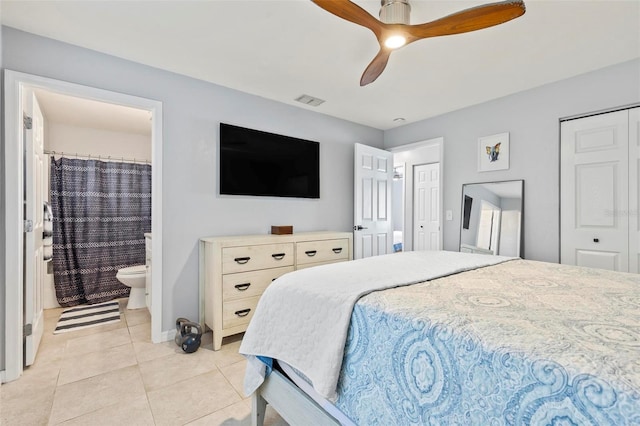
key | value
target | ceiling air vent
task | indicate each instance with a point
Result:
(309, 100)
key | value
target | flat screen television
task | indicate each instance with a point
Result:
(253, 162)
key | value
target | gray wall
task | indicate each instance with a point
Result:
(192, 110)
(532, 119)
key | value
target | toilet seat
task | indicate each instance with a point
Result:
(132, 270)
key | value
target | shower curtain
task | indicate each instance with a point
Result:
(101, 211)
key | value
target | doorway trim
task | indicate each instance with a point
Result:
(14, 82)
(403, 153)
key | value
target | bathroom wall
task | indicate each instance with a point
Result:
(70, 139)
(73, 140)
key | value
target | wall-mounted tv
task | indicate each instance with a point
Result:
(253, 162)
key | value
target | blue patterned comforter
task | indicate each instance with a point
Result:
(520, 343)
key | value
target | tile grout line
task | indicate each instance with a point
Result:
(137, 365)
(65, 354)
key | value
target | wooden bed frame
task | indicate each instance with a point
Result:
(295, 406)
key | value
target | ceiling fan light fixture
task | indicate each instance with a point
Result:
(393, 29)
(395, 41)
(395, 11)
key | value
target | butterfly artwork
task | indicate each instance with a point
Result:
(493, 152)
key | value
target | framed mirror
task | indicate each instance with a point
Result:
(492, 218)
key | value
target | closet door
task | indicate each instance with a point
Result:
(634, 190)
(594, 188)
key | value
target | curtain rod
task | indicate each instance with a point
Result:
(99, 157)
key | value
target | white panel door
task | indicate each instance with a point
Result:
(594, 191)
(634, 190)
(426, 207)
(373, 178)
(34, 212)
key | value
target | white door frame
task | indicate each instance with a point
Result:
(401, 154)
(13, 85)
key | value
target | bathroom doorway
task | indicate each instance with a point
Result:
(66, 135)
(104, 148)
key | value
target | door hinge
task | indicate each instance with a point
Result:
(28, 330)
(28, 225)
(27, 122)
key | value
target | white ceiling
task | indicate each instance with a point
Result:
(282, 49)
(88, 113)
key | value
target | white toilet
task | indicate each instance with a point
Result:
(134, 277)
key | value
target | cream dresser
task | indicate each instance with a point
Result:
(235, 271)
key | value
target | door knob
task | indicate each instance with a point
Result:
(596, 240)
(359, 228)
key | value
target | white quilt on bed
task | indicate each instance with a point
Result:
(303, 317)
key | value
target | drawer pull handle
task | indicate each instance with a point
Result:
(278, 256)
(243, 313)
(337, 250)
(242, 287)
(310, 253)
(242, 260)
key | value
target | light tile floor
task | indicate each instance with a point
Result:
(114, 375)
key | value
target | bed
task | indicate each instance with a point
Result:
(447, 338)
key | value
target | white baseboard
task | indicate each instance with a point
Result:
(168, 335)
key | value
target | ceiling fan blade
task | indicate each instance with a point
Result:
(475, 18)
(351, 12)
(376, 67)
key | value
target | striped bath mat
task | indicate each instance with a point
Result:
(85, 316)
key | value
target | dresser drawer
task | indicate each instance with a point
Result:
(238, 312)
(322, 251)
(249, 284)
(311, 265)
(251, 258)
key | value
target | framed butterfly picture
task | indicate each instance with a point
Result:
(493, 152)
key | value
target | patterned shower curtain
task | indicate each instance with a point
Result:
(101, 211)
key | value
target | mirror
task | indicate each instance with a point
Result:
(492, 217)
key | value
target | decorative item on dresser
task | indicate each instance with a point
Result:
(281, 229)
(235, 271)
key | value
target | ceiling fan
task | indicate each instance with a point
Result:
(394, 31)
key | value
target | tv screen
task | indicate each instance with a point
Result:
(265, 164)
